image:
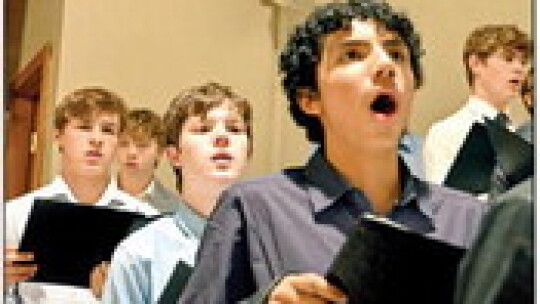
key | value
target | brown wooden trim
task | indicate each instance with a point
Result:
(27, 82)
(43, 121)
(33, 83)
(17, 152)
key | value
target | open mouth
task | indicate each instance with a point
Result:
(384, 104)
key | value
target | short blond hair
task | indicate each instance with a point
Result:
(145, 125)
(83, 103)
(487, 39)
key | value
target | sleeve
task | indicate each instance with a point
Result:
(17, 214)
(499, 266)
(437, 159)
(223, 272)
(128, 280)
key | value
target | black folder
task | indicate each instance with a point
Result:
(382, 262)
(68, 240)
(514, 155)
(178, 280)
(472, 169)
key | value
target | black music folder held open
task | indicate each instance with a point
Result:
(472, 169)
(514, 155)
(382, 262)
(68, 240)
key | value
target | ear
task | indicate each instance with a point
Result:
(57, 134)
(309, 102)
(174, 155)
(475, 63)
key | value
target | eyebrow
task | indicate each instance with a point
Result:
(354, 42)
(227, 119)
(109, 123)
(394, 42)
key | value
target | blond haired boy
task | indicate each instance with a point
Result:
(87, 124)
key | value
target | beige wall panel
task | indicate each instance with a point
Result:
(444, 26)
(148, 51)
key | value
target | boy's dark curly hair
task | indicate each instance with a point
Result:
(299, 59)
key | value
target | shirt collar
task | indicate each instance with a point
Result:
(148, 191)
(482, 108)
(184, 215)
(330, 186)
(59, 186)
(405, 143)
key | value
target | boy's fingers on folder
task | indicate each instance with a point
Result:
(19, 265)
(305, 288)
(14, 256)
(98, 277)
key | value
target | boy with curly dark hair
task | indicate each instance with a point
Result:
(350, 72)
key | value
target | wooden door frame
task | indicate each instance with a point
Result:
(33, 82)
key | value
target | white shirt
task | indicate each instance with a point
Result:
(445, 138)
(17, 214)
(138, 274)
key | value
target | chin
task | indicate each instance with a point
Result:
(94, 172)
(225, 176)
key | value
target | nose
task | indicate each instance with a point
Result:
(384, 70)
(132, 151)
(385, 75)
(221, 141)
(520, 67)
(96, 137)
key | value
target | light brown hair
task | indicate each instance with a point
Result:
(145, 125)
(198, 101)
(487, 39)
(85, 102)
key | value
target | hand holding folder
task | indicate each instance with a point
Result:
(69, 240)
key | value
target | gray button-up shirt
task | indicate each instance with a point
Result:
(297, 220)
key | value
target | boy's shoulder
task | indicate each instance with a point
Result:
(287, 180)
(26, 200)
(133, 204)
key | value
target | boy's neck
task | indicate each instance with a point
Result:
(201, 196)
(500, 104)
(134, 184)
(85, 189)
(375, 173)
